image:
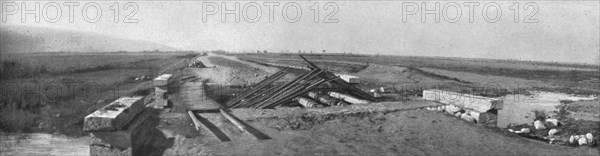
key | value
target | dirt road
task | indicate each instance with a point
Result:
(377, 129)
(229, 70)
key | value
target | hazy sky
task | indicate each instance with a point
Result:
(546, 30)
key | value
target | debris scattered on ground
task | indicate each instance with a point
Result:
(539, 125)
(320, 85)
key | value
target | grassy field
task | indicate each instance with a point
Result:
(503, 76)
(53, 92)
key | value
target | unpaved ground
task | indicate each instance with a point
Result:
(42, 144)
(228, 70)
(394, 75)
(374, 131)
(352, 131)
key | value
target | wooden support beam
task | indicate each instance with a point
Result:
(244, 126)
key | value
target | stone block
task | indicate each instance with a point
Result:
(161, 89)
(467, 117)
(162, 80)
(159, 95)
(160, 103)
(452, 109)
(115, 115)
(477, 103)
(349, 78)
(122, 142)
(482, 117)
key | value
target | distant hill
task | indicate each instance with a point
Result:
(24, 39)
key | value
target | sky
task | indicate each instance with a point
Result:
(551, 31)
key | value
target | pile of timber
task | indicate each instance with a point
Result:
(317, 87)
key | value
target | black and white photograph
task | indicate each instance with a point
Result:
(299, 77)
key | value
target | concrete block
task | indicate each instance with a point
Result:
(162, 80)
(467, 117)
(160, 89)
(452, 109)
(123, 142)
(115, 115)
(160, 103)
(477, 103)
(482, 117)
(349, 78)
(159, 95)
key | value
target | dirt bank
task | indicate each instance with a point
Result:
(227, 70)
(334, 131)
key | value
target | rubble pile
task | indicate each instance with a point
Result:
(551, 130)
(467, 107)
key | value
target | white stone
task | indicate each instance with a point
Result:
(589, 137)
(573, 138)
(539, 125)
(452, 109)
(349, 78)
(480, 117)
(582, 141)
(467, 117)
(552, 132)
(162, 80)
(553, 121)
(474, 114)
(457, 114)
(375, 94)
(477, 103)
(523, 130)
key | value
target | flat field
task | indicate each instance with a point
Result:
(53, 92)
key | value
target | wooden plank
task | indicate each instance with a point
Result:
(195, 120)
(258, 100)
(259, 86)
(210, 127)
(244, 126)
(342, 83)
(305, 90)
